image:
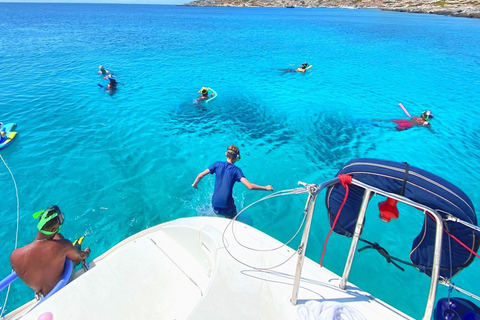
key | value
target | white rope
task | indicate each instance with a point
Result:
(328, 310)
(276, 194)
(16, 232)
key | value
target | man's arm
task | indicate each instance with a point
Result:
(253, 186)
(199, 177)
(77, 255)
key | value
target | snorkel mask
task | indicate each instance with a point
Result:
(204, 90)
(234, 154)
(427, 115)
(45, 218)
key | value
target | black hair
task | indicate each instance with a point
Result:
(48, 212)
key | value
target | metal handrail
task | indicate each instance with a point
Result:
(314, 190)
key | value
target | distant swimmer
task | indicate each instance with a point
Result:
(404, 124)
(112, 84)
(304, 67)
(204, 94)
(102, 70)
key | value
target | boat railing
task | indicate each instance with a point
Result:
(314, 191)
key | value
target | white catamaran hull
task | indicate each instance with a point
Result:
(182, 270)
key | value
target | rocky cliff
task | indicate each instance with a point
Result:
(464, 8)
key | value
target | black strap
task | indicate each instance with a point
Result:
(405, 177)
(385, 254)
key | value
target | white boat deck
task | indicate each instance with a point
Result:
(181, 270)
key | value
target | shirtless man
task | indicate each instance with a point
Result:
(40, 264)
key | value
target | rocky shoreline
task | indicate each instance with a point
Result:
(468, 8)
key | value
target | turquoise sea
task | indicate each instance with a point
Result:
(117, 164)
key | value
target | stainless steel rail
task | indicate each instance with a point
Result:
(314, 190)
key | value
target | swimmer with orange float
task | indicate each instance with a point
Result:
(304, 67)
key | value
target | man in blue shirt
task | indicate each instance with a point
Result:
(226, 174)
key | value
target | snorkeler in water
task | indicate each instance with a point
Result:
(204, 94)
(404, 124)
(112, 84)
(304, 67)
(102, 70)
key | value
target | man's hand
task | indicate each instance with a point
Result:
(269, 188)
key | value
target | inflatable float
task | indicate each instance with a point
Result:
(213, 97)
(300, 69)
(67, 272)
(9, 134)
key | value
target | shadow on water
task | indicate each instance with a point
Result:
(334, 139)
(248, 118)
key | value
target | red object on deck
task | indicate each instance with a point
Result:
(388, 210)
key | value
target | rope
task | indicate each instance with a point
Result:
(16, 232)
(455, 238)
(345, 180)
(276, 194)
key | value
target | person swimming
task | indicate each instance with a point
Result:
(405, 124)
(301, 69)
(203, 94)
(102, 70)
(112, 84)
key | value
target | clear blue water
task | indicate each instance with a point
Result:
(117, 164)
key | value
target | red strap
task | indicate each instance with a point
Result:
(455, 238)
(345, 180)
(461, 243)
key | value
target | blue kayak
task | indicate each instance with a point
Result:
(7, 134)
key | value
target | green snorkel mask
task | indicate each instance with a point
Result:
(427, 115)
(45, 218)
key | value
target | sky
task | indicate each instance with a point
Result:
(107, 1)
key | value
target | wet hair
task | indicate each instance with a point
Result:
(233, 152)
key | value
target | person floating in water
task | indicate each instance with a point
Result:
(40, 264)
(304, 67)
(226, 174)
(403, 124)
(2, 132)
(112, 84)
(102, 70)
(204, 94)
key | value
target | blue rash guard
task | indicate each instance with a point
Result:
(226, 174)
